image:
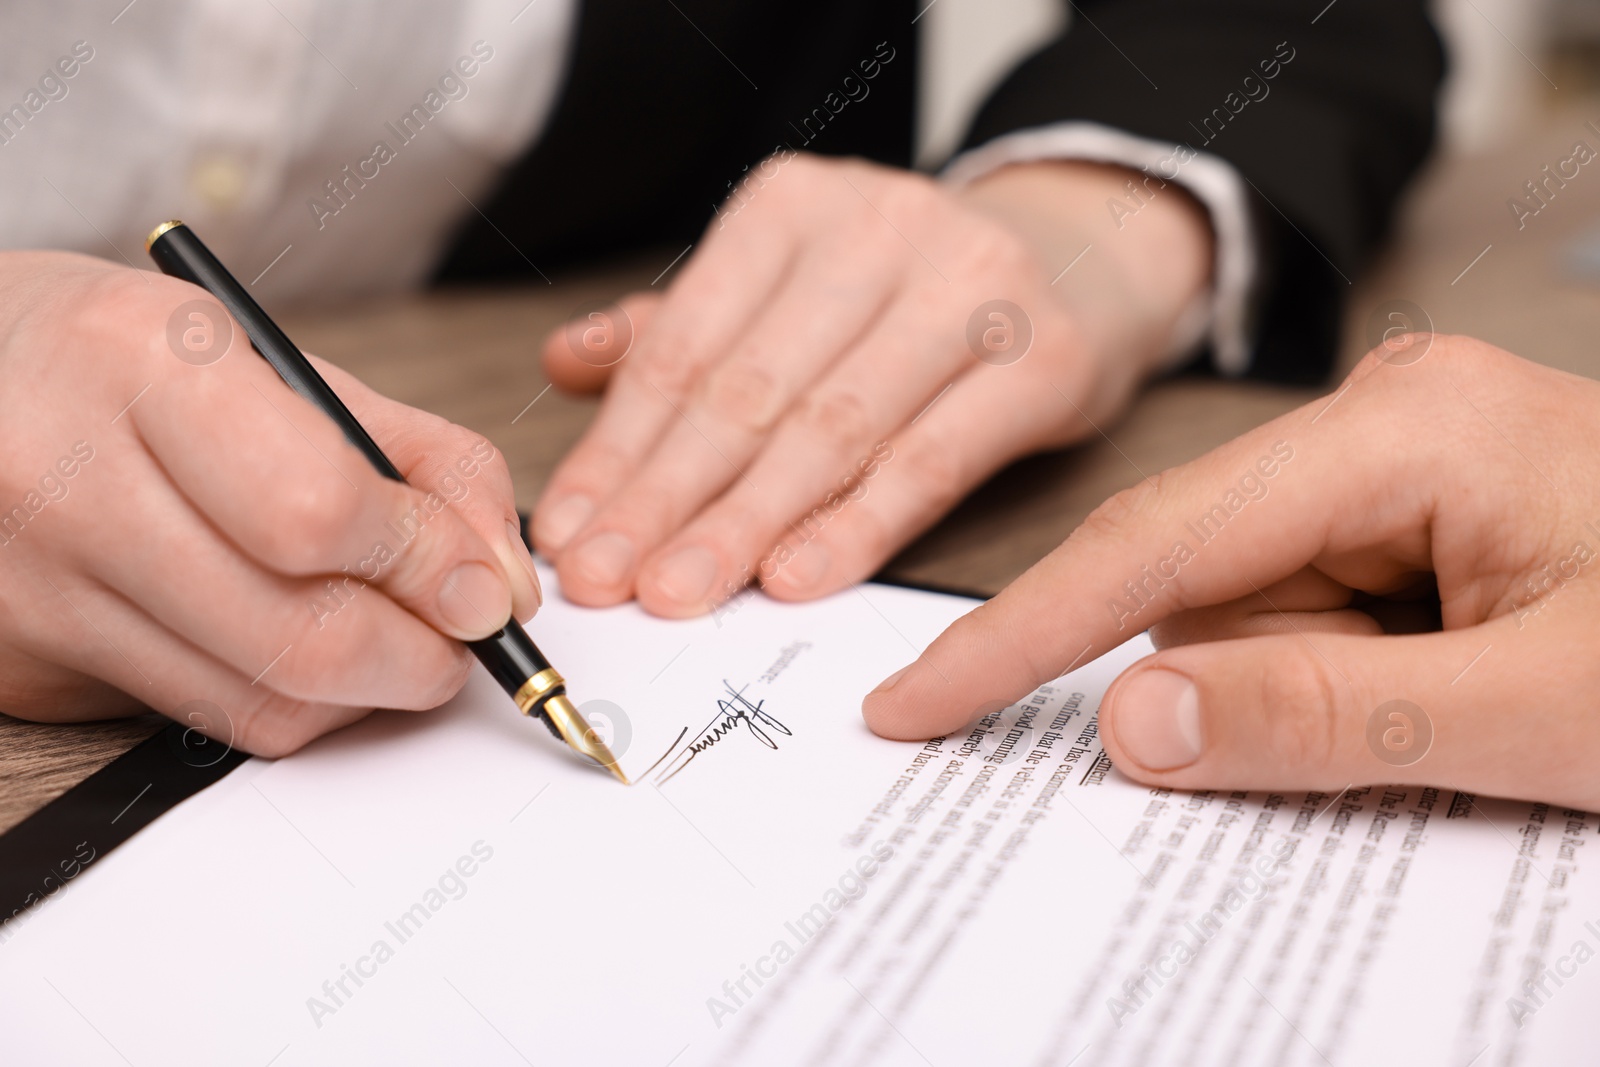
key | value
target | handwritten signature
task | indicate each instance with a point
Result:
(732, 712)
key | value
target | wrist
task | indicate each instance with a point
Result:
(1149, 258)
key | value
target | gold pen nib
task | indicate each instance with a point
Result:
(580, 735)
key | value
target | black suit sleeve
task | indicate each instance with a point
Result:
(1326, 144)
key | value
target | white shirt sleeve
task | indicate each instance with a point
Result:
(1222, 315)
(316, 170)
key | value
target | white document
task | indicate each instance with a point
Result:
(786, 888)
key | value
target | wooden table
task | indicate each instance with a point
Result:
(472, 356)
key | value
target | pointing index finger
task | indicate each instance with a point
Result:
(1231, 522)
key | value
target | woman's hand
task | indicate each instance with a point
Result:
(179, 529)
(850, 351)
(1444, 471)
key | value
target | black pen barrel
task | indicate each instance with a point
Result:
(178, 252)
(510, 655)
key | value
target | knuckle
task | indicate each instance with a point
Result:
(456, 446)
(933, 305)
(1455, 352)
(595, 463)
(317, 652)
(427, 545)
(329, 659)
(437, 669)
(670, 367)
(938, 468)
(811, 163)
(808, 170)
(835, 416)
(1120, 512)
(992, 252)
(120, 304)
(312, 518)
(1425, 357)
(455, 665)
(648, 508)
(494, 476)
(742, 394)
(910, 196)
(497, 467)
(276, 726)
(125, 292)
(469, 457)
(1299, 701)
(874, 540)
(317, 644)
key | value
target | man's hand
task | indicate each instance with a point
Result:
(1265, 566)
(179, 529)
(830, 375)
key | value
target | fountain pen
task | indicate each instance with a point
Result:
(510, 655)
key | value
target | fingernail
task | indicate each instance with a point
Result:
(604, 559)
(1158, 719)
(888, 683)
(557, 523)
(519, 548)
(805, 568)
(687, 574)
(474, 600)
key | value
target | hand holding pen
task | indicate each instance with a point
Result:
(170, 513)
(470, 595)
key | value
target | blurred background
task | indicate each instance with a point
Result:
(1524, 83)
(1508, 58)
(1523, 89)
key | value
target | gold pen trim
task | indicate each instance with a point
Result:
(536, 688)
(545, 693)
(159, 230)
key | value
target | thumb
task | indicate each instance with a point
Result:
(1329, 711)
(581, 354)
(460, 466)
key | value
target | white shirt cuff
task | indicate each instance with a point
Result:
(1223, 315)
